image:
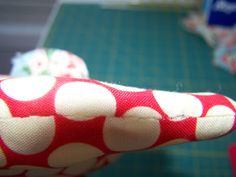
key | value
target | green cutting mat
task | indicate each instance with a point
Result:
(148, 48)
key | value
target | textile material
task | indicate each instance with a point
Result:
(232, 156)
(223, 40)
(47, 61)
(69, 126)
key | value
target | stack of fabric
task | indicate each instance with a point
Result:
(221, 39)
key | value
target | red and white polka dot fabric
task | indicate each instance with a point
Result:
(64, 127)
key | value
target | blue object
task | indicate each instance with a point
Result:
(220, 12)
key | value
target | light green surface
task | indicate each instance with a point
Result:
(148, 48)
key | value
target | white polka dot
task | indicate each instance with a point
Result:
(81, 100)
(220, 110)
(130, 133)
(4, 110)
(178, 105)
(173, 142)
(27, 167)
(80, 168)
(42, 172)
(72, 153)
(218, 121)
(142, 112)
(124, 88)
(36, 171)
(10, 172)
(27, 135)
(27, 88)
(3, 160)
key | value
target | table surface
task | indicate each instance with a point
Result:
(150, 49)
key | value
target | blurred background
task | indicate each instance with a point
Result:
(21, 25)
(175, 45)
(25, 20)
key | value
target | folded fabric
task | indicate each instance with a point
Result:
(225, 53)
(213, 35)
(68, 126)
(49, 61)
(222, 39)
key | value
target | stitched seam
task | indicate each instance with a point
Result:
(180, 117)
(176, 117)
(157, 118)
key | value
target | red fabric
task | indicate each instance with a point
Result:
(232, 155)
(146, 109)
